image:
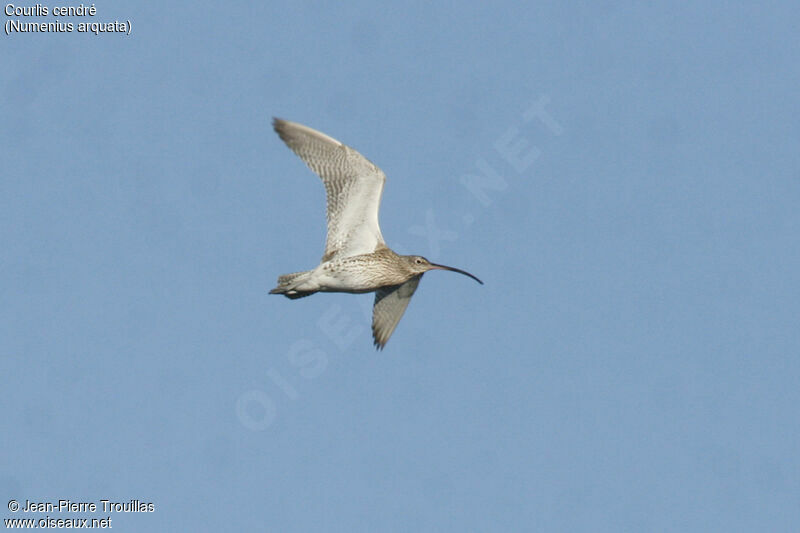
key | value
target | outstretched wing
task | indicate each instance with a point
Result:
(390, 304)
(353, 186)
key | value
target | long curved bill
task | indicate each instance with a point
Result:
(452, 269)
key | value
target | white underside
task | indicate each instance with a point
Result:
(322, 279)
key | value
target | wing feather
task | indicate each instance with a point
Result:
(353, 187)
(390, 304)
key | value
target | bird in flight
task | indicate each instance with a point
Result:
(356, 259)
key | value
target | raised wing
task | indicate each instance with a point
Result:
(390, 304)
(353, 186)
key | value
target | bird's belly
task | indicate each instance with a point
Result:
(343, 282)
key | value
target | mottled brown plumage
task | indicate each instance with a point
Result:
(356, 259)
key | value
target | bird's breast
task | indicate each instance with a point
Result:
(359, 274)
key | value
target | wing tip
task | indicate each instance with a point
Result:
(377, 340)
(280, 125)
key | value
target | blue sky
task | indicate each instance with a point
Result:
(631, 363)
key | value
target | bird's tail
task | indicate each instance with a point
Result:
(288, 285)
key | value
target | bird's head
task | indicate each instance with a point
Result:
(419, 265)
